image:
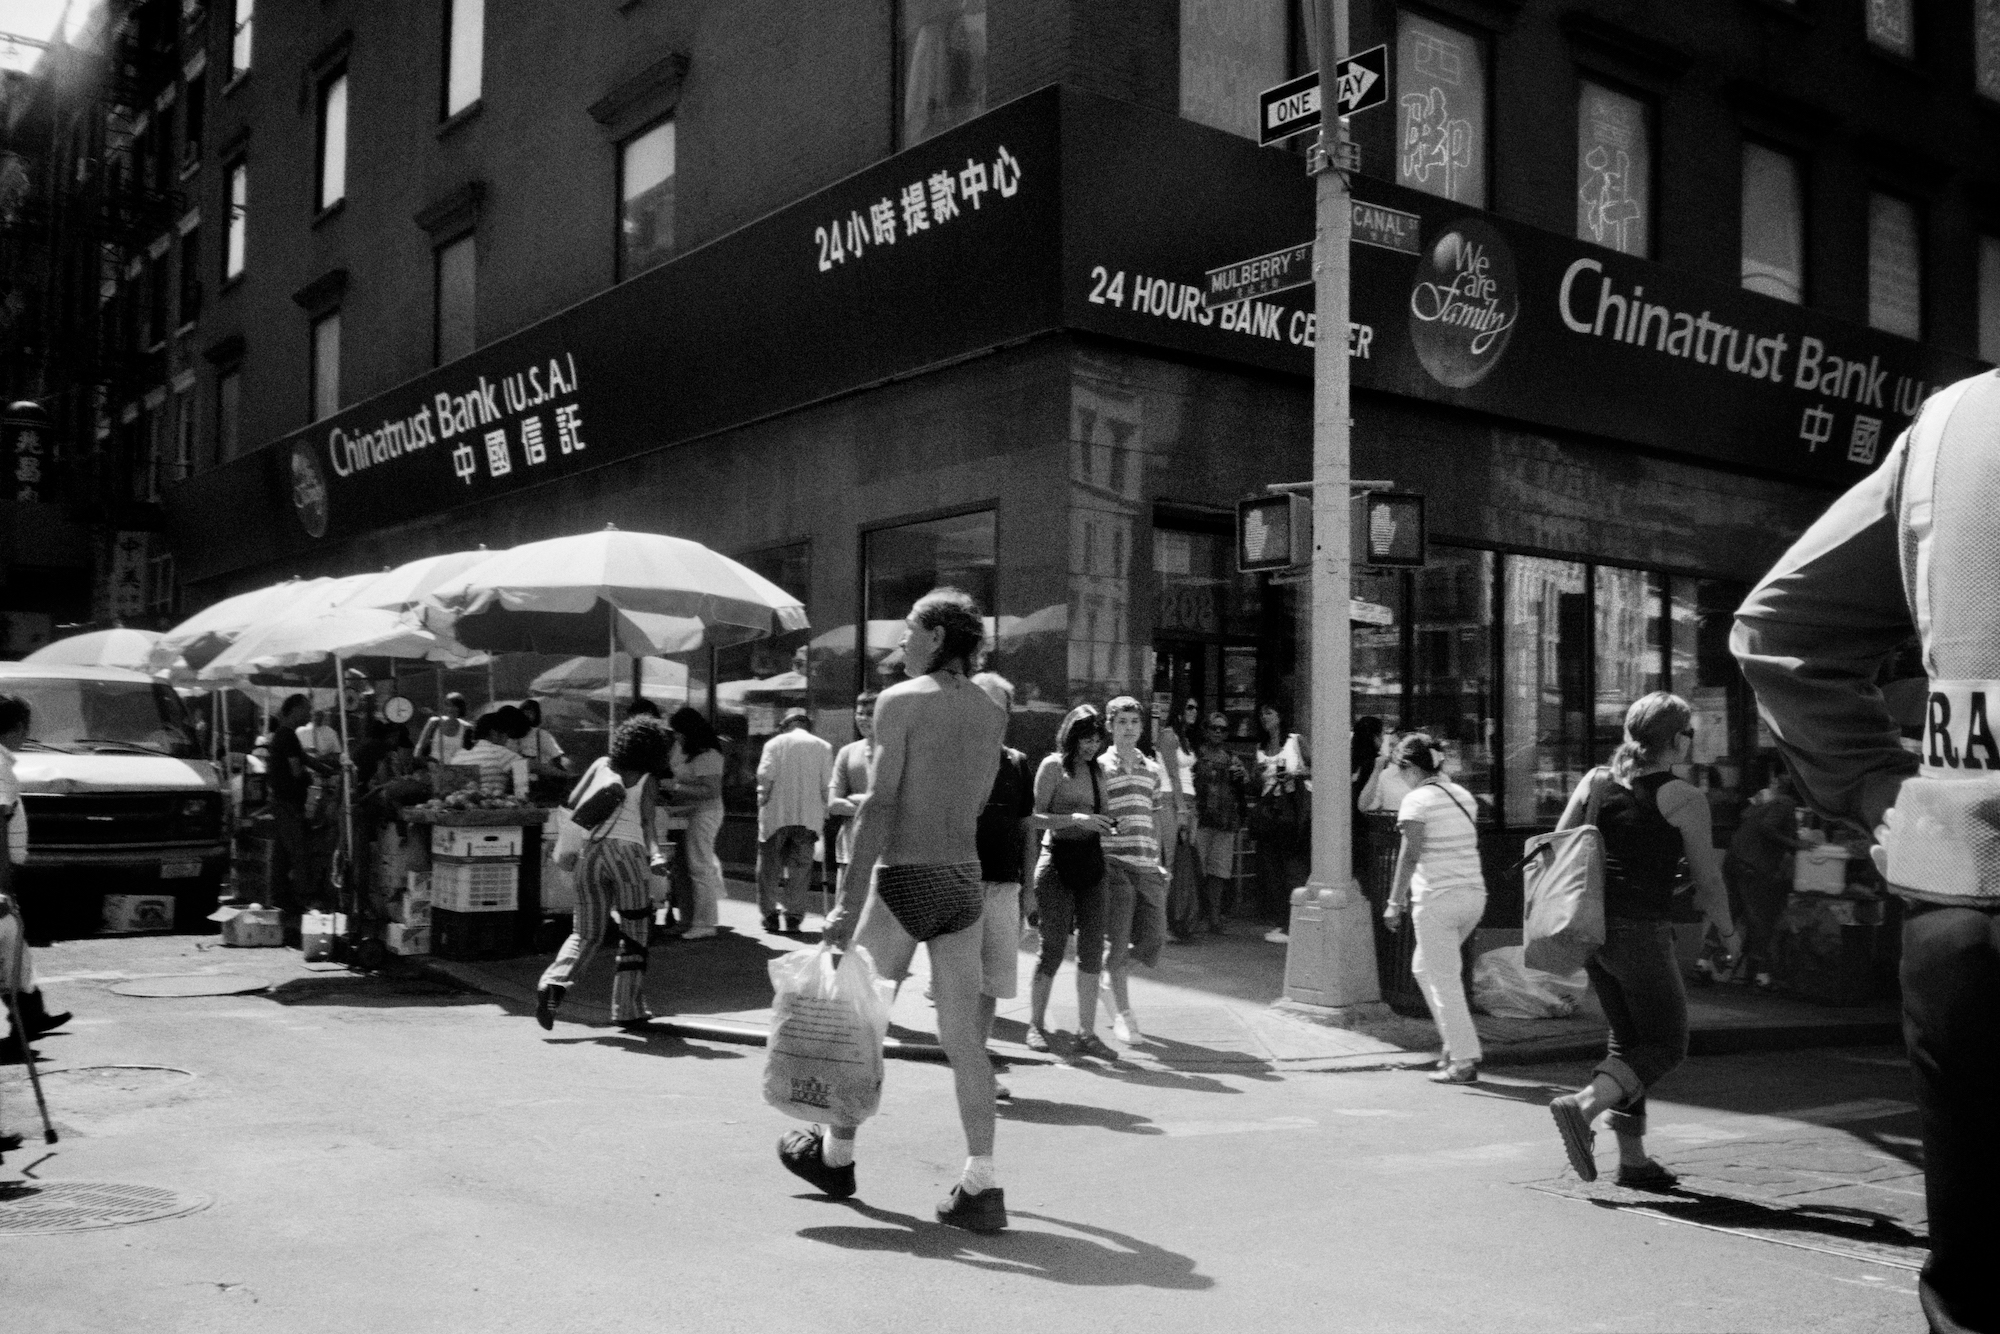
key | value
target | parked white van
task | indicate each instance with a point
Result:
(119, 800)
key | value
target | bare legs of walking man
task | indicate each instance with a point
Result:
(915, 879)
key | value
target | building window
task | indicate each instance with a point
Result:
(1628, 613)
(1774, 223)
(161, 590)
(1544, 714)
(902, 564)
(1986, 48)
(1441, 120)
(943, 65)
(456, 289)
(239, 45)
(190, 276)
(1614, 169)
(1895, 266)
(239, 218)
(194, 119)
(1892, 26)
(465, 53)
(646, 199)
(181, 465)
(1989, 298)
(156, 300)
(332, 141)
(325, 387)
(1231, 50)
(228, 413)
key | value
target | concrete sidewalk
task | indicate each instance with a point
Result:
(1207, 1007)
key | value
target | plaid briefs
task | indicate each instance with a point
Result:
(932, 901)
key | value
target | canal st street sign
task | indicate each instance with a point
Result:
(1279, 271)
(1293, 106)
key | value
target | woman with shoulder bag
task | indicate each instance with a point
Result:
(1069, 879)
(1650, 822)
(1439, 881)
(611, 808)
(1278, 819)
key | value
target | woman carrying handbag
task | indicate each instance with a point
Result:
(1439, 881)
(1069, 879)
(1650, 821)
(609, 832)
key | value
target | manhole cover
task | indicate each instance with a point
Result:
(190, 984)
(31, 1207)
(116, 1078)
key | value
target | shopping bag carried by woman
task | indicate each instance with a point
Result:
(1562, 889)
(591, 804)
(824, 1058)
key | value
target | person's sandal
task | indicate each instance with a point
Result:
(1578, 1141)
(1038, 1039)
(1458, 1072)
(1649, 1176)
(803, 1154)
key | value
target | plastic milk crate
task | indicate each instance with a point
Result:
(475, 935)
(476, 886)
(470, 841)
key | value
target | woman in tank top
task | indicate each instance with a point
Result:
(1069, 878)
(1651, 822)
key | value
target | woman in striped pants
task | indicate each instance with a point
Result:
(613, 874)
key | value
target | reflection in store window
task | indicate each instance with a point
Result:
(1706, 676)
(1377, 638)
(1451, 682)
(944, 65)
(904, 563)
(1630, 660)
(1441, 110)
(755, 683)
(1545, 715)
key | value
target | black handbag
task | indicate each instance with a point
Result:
(1079, 862)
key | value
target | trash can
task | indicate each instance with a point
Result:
(1375, 859)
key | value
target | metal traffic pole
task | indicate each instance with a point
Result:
(1330, 962)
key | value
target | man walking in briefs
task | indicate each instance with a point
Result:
(791, 809)
(1913, 551)
(936, 739)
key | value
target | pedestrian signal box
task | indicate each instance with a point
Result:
(1388, 529)
(1273, 532)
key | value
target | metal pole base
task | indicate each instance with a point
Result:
(1330, 962)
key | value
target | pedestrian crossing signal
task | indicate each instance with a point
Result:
(1273, 533)
(1388, 529)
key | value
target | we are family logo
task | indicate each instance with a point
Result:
(1464, 303)
(309, 496)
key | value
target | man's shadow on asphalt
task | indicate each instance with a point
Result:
(650, 1041)
(1041, 1112)
(1100, 1259)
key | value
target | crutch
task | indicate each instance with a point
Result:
(21, 1029)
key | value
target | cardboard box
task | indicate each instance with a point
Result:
(129, 914)
(405, 939)
(463, 842)
(410, 910)
(318, 931)
(254, 927)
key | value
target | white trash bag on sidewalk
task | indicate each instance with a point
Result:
(824, 1058)
(1506, 988)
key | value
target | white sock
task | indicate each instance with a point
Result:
(979, 1174)
(836, 1152)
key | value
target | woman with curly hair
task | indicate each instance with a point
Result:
(614, 802)
(695, 791)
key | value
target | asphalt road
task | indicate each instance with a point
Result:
(396, 1156)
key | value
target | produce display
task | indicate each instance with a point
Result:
(474, 801)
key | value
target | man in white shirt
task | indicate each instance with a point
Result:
(791, 809)
(17, 970)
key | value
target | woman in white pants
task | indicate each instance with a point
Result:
(695, 790)
(1439, 882)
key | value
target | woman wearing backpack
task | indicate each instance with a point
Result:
(1651, 822)
(612, 807)
(1439, 882)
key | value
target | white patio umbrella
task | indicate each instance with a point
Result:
(209, 631)
(584, 678)
(117, 647)
(407, 585)
(547, 596)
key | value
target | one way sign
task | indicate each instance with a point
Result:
(1293, 107)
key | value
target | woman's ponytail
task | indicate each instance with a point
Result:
(1652, 725)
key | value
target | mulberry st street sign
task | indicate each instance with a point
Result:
(1293, 106)
(1279, 271)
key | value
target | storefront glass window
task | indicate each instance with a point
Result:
(944, 65)
(1630, 657)
(1895, 266)
(1547, 637)
(756, 683)
(1892, 27)
(1377, 638)
(646, 199)
(1773, 223)
(1986, 48)
(1451, 680)
(1989, 298)
(1231, 50)
(1705, 674)
(904, 563)
(1441, 100)
(1614, 169)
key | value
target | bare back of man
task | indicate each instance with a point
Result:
(915, 879)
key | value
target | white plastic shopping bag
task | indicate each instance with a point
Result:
(824, 1059)
(1504, 986)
